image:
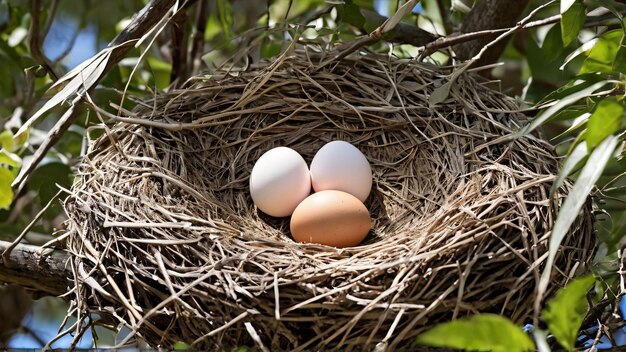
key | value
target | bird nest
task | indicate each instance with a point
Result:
(166, 239)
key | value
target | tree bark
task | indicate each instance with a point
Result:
(488, 14)
(47, 274)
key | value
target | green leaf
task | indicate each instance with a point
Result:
(9, 159)
(225, 15)
(574, 158)
(619, 63)
(6, 192)
(440, 94)
(6, 141)
(547, 114)
(572, 22)
(565, 312)
(604, 121)
(181, 346)
(351, 13)
(483, 332)
(46, 177)
(552, 45)
(566, 4)
(271, 49)
(601, 57)
(573, 203)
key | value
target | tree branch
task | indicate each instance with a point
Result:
(36, 41)
(488, 15)
(445, 42)
(140, 25)
(404, 33)
(47, 274)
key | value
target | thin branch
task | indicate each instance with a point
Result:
(142, 23)
(54, 6)
(488, 15)
(35, 40)
(197, 40)
(446, 42)
(45, 274)
(404, 33)
(179, 50)
(376, 35)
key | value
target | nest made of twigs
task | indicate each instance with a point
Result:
(165, 237)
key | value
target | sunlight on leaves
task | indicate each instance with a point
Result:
(565, 312)
(550, 112)
(575, 157)
(575, 200)
(484, 332)
(601, 57)
(6, 193)
(572, 22)
(604, 121)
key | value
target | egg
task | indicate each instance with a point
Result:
(333, 218)
(279, 181)
(340, 166)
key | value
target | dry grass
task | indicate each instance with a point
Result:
(166, 239)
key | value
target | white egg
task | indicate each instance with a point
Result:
(279, 181)
(340, 166)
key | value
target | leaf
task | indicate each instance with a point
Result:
(440, 94)
(225, 16)
(6, 192)
(17, 36)
(586, 46)
(9, 159)
(79, 80)
(580, 121)
(351, 13)
(483, 332)
(552, 45)
(6, 141)
(604, 121)
(579, 83)
(180, 345)
(575, 157)
(573, 203)
(560, 104)
(565, 312)
(271, 49)
(404, 10)
(566, 4)
(45, 178)
(619, 63)
(601, 57)
(572, 22)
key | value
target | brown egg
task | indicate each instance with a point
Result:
(333, 218)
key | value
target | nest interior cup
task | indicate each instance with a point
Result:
(166, 239)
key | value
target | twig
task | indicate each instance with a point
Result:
(197, 39)
(7, 252)
(487, 15)
(376, 34)
(54, 5)
(31, 268)
(35, 40)
(141, 24)
(179, 51)
(404, 33)
(445, 42)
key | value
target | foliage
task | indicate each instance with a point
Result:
(566, 310)
(483, 332)
(489, 332)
